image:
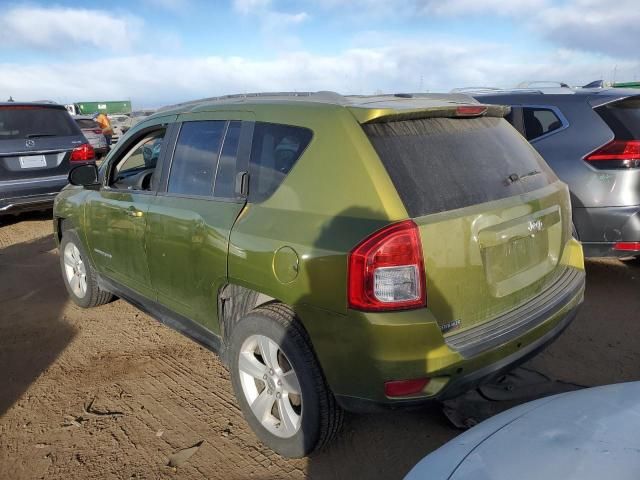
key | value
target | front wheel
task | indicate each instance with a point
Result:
(279, 384)
(78, 274)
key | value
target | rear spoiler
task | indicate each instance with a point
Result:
(614, 95)
(448, 111)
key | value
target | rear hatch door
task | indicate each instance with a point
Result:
(36, 141)
(493, 217)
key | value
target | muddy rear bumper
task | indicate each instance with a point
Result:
(464, 382)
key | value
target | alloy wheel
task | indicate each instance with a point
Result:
(75, 270)
(270, 386)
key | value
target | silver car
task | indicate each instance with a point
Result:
(93, 133)
(583, 435)
(590, 137)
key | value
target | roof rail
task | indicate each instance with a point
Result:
(320, 96)
(543, 83)
(489, 90)
(475, 89)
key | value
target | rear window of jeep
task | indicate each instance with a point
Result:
(441, 164)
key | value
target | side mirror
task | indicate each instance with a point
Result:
(85, 176)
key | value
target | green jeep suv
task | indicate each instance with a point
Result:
(339, 253)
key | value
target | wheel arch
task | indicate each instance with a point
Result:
(234, 302)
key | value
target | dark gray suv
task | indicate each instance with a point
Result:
(39, 143)
(591, 139)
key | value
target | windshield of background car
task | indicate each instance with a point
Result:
(87, 123)
(441, 164)
(26, 121)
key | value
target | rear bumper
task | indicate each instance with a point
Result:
(410, 345)
(29, 194)
(601, 228)
(465, 382)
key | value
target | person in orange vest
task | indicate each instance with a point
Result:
(105, 124)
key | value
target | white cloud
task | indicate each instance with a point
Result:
(59, 28)
(610, 27)
(275, 26)
(600, 26)
(177, 6)
(443, 8)
(250, 6)
(491, 7)
(402, 66)
(278, 20)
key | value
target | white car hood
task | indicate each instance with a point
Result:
(586, 434)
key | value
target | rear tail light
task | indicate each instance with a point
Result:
(83, 153)
(616, 154)
(98, 131)
(386, 270)
(470, 111)
(627, 246)
(403, 388)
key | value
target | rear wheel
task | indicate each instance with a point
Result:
(78, 274)
(279, 385)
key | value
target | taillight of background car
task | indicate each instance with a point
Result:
(616, 154)
(83, 153)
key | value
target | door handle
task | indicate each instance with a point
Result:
(134, 212)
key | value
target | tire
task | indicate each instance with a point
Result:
(74, 258)
(316, 416)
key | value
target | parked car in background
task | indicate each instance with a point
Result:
(591, 139)
(140, 115)
(39, 143)
(93, 133)
(583, 435)
(120, 124)
(339, 252)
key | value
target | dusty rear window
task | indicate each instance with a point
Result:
(441, 164)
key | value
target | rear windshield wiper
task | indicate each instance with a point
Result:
(36, 135)
(514, 177)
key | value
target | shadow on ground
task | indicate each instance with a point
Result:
(37, 215)
(32, 294)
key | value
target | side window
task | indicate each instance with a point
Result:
(195, 158)
(226, 174)
(539, 121)
(135, 169)
(274, 152)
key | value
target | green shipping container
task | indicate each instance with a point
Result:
(627, 85)
(116, 106)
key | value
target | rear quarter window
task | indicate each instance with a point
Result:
(275, 150)
(623, 118)
(25, 121)
(539, 121)
(441, 164)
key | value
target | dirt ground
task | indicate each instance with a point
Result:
(111, 393)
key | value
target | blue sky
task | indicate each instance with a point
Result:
(156, 52)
